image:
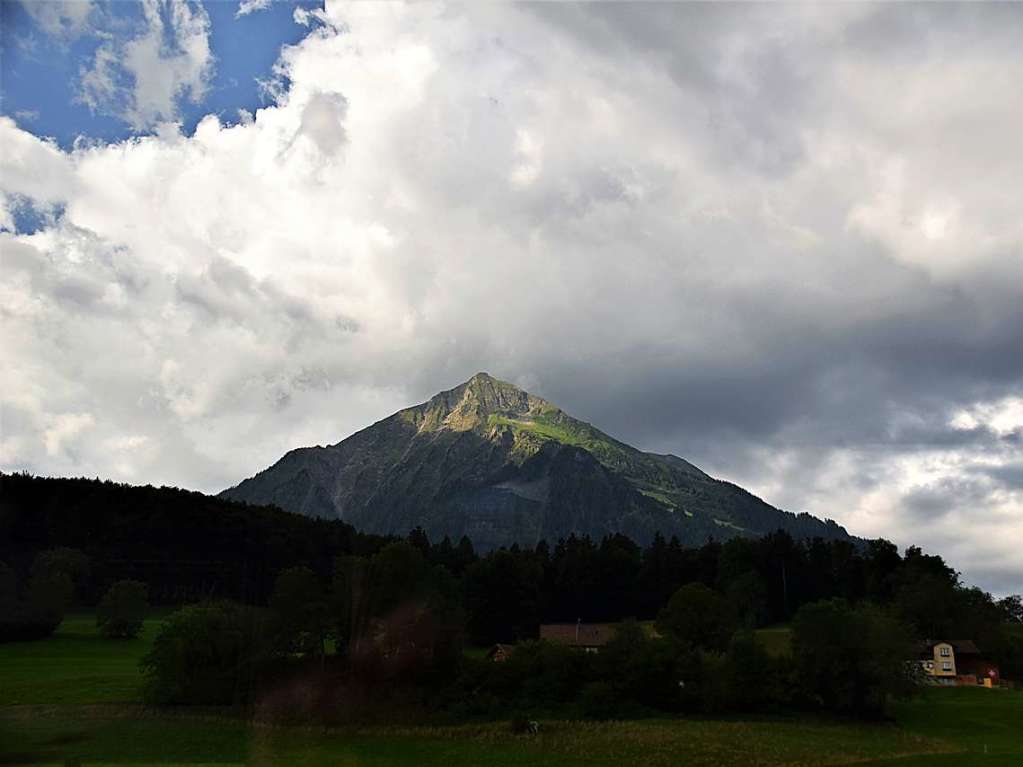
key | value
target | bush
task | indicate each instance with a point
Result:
(207, 654)
(122, 610)
(62, 561)
(851, 659)
(8, 588)
(300, 612)
(20, 623)
(15, 622)
(751, 676)
(50, 589)
(660, 673)
(699, 615)
(543, 673)
(598, 701)
(624, 663)
(39, 614)
(523, 725)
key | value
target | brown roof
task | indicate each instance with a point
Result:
(959, 646)
(579, 634)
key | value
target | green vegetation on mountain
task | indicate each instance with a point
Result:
(493, 462)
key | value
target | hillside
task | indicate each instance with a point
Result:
(503, 466)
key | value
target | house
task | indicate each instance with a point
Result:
(589, 637)
(955, 662)
(499, 653)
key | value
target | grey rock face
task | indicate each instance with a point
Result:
(502, 466)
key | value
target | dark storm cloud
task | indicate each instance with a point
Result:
(1009, 476)
(846, 382)
(926, 504)
(905, 30)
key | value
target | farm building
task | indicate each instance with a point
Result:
(499, 653)
(956, 662)
(586, 636)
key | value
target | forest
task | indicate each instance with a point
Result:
(272, 602)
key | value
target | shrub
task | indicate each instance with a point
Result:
(42, 610)
(37, 616)
(699, 615)
(50, 589)
(667, 675)
(851, 659)
(648, 672)
(207, 654)
(751, 679)
(598, 701)
(300, 612)
(542, 673)
(8, 587)
(122, 610)
(20, 623)
(523, 725)
(65, 561)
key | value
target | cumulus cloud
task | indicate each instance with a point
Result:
(245, 7)
(63, 19)
(782, 242)
(35, 173)
(141, 78)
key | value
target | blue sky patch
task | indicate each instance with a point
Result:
(43, 66)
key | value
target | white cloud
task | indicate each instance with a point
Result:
(245, 7)
(35, 174)
(63, 428)
(141, 79)
(1003, 416)
(32, 166)
(739, 245)
(64, 19)
(530, 152)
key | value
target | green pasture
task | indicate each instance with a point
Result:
(75, 665)
(73, 699)
(777, 640)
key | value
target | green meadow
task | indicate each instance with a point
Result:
(777, 640)
(75, 665)
(73, 699)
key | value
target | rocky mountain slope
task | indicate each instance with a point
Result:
(502, 466)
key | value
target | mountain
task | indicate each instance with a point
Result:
(503, 466)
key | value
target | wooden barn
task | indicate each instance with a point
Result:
(956, 662)
(589, 637)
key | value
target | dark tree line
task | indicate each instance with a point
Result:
(185, 546)
(188, 547)
(509, 592)
(396, 623)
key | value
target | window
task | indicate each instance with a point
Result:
(946, 651)
(946, 665)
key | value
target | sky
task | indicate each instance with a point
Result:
(783, 242)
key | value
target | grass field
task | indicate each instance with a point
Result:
(986, 724)
(118, 735)
(777, 640)
(74, 697)
(75, 665)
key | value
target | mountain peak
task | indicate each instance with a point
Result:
(491, 461)
(486, 383)
(471, 404)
